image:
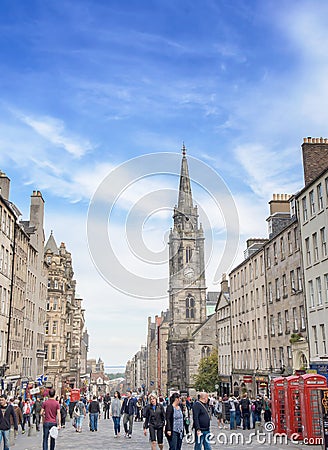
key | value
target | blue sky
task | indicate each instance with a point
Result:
(85, 86)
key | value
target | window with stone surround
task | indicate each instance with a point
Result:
(304, 209)
(312, 202)
(190, 307)
(315, 247)
(319, 290)
(320, 196)
(323, 238)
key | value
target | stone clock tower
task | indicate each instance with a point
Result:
(187, 289)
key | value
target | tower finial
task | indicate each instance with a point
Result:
(183, 149)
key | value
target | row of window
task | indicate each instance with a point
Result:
(260, 358)
(224, 364)
(4, 261)
(4, 301)
(318, 291)
(7, 223)
(282, 325)
(278, 251)
(315, 201)
(224, 335)
(245, 331)
(319, 346)
(281, 287)
(316, 249)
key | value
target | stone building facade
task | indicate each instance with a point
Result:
(268, 312)
(223, 333)
(312, 209)
(23, 276)
(64, 327)
(36, 294)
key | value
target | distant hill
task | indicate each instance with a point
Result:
(113, 376)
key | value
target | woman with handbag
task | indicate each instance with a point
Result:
(174, 423)
(79, 414)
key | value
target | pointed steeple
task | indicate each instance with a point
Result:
(185, 203)
(51, 245)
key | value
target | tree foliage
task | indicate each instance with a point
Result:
(208, 375)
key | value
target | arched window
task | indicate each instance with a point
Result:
(205, 351)
(190, 307)
(188, 254)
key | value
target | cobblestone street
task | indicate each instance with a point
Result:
(104, 440)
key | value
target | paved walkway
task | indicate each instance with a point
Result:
(104, 439)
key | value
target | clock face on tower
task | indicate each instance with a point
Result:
(188, 272)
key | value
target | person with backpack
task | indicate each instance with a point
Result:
(79, 414)
(154, 421)
(245, 406)
(27, 409)
(233, 405)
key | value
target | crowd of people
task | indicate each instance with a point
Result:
(173, 417)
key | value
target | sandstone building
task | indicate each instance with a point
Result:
(64, 327)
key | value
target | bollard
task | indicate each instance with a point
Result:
(258, 427)
(32, 430)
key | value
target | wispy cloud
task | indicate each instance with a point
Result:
(53, 130)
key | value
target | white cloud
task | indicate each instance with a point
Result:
(53, 130)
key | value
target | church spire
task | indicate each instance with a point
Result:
(185, 204)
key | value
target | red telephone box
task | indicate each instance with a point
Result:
(310, 385)
(294, 423)
(278, 404)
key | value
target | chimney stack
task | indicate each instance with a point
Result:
(315, 157)
(4, 185)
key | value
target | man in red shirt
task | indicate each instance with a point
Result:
(51, 417)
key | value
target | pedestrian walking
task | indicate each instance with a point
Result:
(233, 405)
(116, 413)
(128, 410)
(27, 409)
(202, 420)
(245, 409)
(94, 412)
(186, 414)
(154, 421)
(107, 402)
(267, 409)
(18, 412)
(37, 407)
(174, 422)
(7, 413)
(63, 412)
(50, 413)
(218, 411)
(79, 414)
